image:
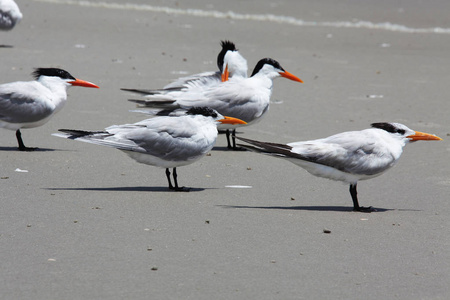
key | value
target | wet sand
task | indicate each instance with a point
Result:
(87, 222)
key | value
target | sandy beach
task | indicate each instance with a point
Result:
(80, 221)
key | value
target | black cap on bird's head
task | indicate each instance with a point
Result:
(52, 72)
(276, 65)
(209, 112)
(226, 46)
(389, 127)
(268, 61)
(202, 110)
(55, 72)
(405, 132)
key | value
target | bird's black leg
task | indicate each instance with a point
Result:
(177, 188)
(233, 147)
(228, 139)
(168, 179)
(356, 206)
(21, 144)
(233, 136)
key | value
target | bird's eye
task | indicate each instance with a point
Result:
(401, 131)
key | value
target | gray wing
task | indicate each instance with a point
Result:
(185, 83)
(23, 107)
(180, 82)
(352, 152)
(167, 138)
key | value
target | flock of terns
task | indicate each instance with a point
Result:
(185, 116)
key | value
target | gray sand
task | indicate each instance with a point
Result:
(87, 222)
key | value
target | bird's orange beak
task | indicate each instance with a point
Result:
(290, 76)
(422, 136)
(225, 74)
(79, 82)
(232, 121)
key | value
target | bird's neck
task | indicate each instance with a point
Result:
(58, 89)
(263, 81)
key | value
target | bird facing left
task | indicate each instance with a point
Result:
(162, 141)
(28, 104)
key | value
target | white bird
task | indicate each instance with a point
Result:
(229, 61)
(28, 104)
(348, 156)
(166, 142)
(10, 14)
(231, 64)
(243, 98)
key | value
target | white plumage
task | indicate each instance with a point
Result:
(243, 98)
(230, 63)
(10, 14)
(348, 156)
(28, 104)
(163, 141)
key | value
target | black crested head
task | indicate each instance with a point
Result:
(268, 61)
(55, 72)
(389, 127)
(204, 111)
(226, 46)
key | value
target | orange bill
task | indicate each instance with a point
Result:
(422, 136)
(79, 82)
(225, 74)
(232, 121)
(290, 76)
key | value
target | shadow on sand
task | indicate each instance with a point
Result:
(125, 189)
(35, 150)
(313, 208)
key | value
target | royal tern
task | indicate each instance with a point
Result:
(229, 61)
(166, 142)
(348, 156)
(10, 14)
(27, 104)
(243, 98)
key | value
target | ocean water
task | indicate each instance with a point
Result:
(413, 16)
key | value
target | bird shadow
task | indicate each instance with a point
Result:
(225, 148)
(6, 46)
(35, 150)
(312, 208)
(126, 189)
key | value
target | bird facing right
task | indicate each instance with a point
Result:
(28, 104)
(247, 99)
(349, 156)
(162, 141)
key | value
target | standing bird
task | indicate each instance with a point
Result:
(10, 14)
(231, 64)
(166, 141)
(28, 104)
(243, 98)
(349, 156)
